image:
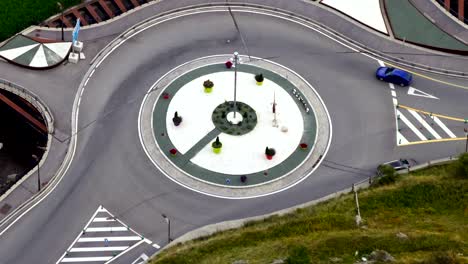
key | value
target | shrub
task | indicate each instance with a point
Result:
(459, 168)
(388, 175)
(259, 77)
(208, 84)
(217, 143)
(442, 258)
(298, 255)
(270, 151)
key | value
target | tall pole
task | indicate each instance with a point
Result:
(236, 60)
(168, 221)
(61, 17)
(466, 144)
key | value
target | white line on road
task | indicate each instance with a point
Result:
(102, 239)
(103, 219)
(381, 63)
(102, 209)
(96, 249)
(86, 259)
(444, 127)
(106, 229)
(391, 86)
(393, 93)
(425, 124)
(401, 139)
(411, 126)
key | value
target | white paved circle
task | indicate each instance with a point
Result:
(240, 154)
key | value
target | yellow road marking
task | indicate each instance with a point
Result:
(429, 113)
(427, 77)
(431, 141)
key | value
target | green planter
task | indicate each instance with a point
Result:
(259, 83)
(208, 89)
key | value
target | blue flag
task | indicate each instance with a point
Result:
(76, 30)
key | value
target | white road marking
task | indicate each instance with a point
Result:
(416, 92)
(395, 101)
(425, 124)
(393, 93)
(381, 63)
(106, 229)
(96, 249)
(87, 259)
(392, 86)
(102, 209)
(156, 246)
(401, 139)
(444, 127)
(411, 126)
(103, 219)
(110, 239)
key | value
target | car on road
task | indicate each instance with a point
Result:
(394, 75)
(401, 164)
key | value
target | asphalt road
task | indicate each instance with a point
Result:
(111, 169)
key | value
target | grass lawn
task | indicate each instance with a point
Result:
(429, 206)
(16, 15)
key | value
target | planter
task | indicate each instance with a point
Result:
(269, 153)
(217, 150)
(259, 79)
(303, 146)
(208, 85)
(176, 119)
(165, 96)
(217, 145)
(228, 64)
(173, 152)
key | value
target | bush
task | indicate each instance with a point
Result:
(208, 84)
(388, 175)
(459, 168)
(442, 258)
(270, 151)
(259, 77)
(298, 255)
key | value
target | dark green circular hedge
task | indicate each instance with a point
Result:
(248, 123)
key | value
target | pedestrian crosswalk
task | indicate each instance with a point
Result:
(103, 239)
(416, 126)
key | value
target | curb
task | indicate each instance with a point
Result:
(209, 230)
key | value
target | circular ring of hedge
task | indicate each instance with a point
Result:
(248, 123)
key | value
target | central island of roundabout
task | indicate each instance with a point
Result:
(234, 132)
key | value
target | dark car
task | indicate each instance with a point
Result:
(401, 164)
(393, 75)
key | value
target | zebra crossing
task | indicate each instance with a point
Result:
(103, 239)
(416, 126)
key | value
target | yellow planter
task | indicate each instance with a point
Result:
(217, 150)
(259, 83)
(208, 90)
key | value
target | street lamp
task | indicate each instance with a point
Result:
(168, 221)
(38, 172)
(60, 6)
(236, 62)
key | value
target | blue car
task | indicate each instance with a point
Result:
(393, 75)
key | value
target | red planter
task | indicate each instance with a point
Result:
(269, 157)
(173, 152)
(228, 64)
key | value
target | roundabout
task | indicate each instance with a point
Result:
(129, 96)
(268, 140)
